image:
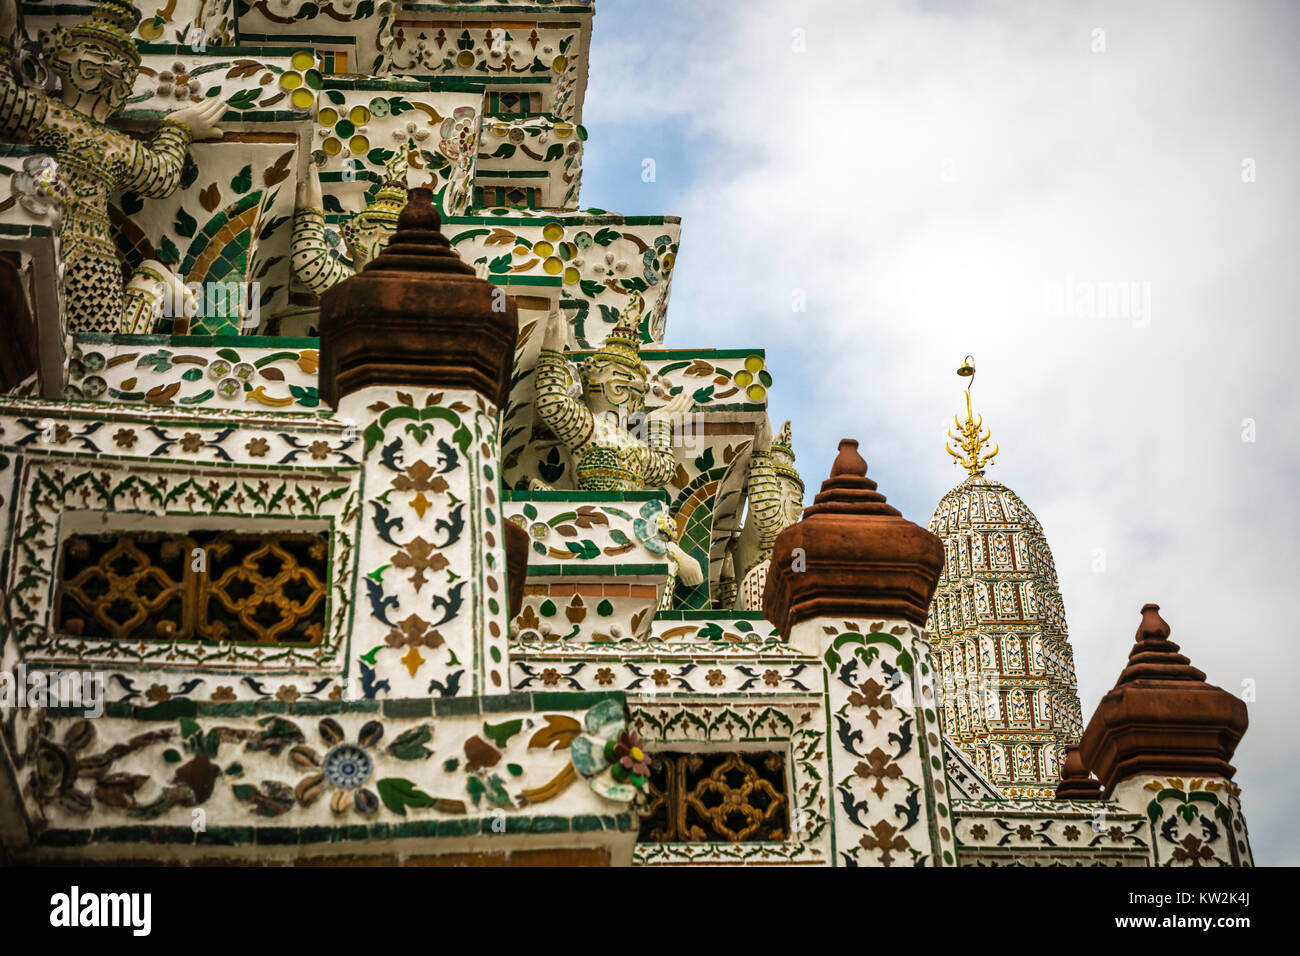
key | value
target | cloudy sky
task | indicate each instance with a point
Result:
(1100, 202)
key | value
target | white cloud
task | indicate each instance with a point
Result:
(824, 171)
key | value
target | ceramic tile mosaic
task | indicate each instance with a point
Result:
(300, 615)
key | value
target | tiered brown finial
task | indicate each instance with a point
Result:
(1154, 656)
(852, 555)
(417, 316)
(1162, 717)
(1075, 783)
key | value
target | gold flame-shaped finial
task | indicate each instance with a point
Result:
(969, 438)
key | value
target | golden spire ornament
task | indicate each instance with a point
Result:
(968, 437)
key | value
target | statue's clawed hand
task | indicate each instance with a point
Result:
(677, 406)
(309, 191)
(689, 571)
(554, 332)
(202, 119)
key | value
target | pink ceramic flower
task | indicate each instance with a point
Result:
(629, 754)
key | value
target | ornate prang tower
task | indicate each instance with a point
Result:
(1004, 655)
(350, 461)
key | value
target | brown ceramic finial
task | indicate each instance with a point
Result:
(419, 211)
(1152, 624)
(1154, 655)
(848, 490)
(417, 316)
(848, 461)
(851, 555)
(1162, 717)
(418, 245)
(1076, 784)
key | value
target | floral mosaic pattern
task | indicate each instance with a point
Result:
(432, 545)
(357, 130)
(600, 259)
(647, 670)
(533, 144)
(36, 187)
(1049, 833)
(358, 30)
(595, 609)
(173, 372)
(583, 530)
(244, 84)
(549, 56)
(178, 21)
(349, 765)
(964, 777)
(1193, 821)
(225, 228)
(718, 631)
(720, 635)
(887, 767)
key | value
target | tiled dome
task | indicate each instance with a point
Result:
(1001, 639)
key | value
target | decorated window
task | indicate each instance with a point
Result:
(1012, 656)
(717, 798)
(1025, 769)
(1019, 708)
(1006, 598)
(514, 104)
(1001, 550)
(195, 585)
(999, 761)
(1037, 653)
(1051, 767)
(507, 196)
(333, 61)
(992, 701)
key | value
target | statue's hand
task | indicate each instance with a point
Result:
(554, 333)
(202, 120)
(689, 571)
(168, 291)
(309, 193)
(763, 437)
(677, 406)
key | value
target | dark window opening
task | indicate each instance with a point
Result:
(199, 586)
(717, 798)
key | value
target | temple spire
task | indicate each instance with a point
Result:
(969, 438)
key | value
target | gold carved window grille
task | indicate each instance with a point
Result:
(717, 798)
(215, 586)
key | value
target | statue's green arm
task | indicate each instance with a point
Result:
(765, 499)
(154, 168)
(657, 460)
(22, 110)
(314, 265)
(569, 419)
